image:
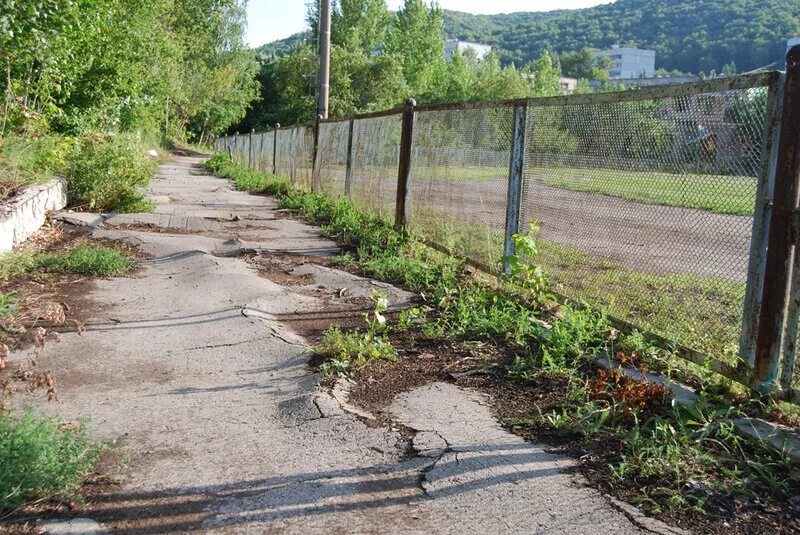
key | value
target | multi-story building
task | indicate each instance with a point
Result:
(630, 62)
(451, 45)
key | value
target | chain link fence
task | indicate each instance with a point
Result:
(375, 158)
(459, 180)
(650, 203)
(646, 207)
(332, 154)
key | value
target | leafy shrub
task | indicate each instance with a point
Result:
(108, 173)
(87, 260)
(40, 459)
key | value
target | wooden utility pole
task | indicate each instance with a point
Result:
(324, 56)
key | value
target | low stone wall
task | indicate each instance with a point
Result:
(24, 214)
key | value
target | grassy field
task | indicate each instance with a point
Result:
(701, 313)
(716, 193)
(723, 194)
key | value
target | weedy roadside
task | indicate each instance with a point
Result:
(42, 459)
(684, 464)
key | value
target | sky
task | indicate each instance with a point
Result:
(269, 20)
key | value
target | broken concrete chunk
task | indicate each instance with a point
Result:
(775, 436)
(80, 219)
(429, 444)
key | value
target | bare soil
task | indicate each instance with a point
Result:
(518, 404)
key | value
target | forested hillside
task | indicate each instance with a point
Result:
(687, 35)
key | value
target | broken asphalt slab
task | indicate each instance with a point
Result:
(190, 367)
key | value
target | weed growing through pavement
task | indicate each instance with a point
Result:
(342, 350)
(41, 459)
(87, 259)
(81, 259)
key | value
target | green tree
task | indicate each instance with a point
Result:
(416, 34)
(360, 24)
(461, 78)
(545, 76)
(125, 65)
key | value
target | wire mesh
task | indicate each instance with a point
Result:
(459, 180)
(283, 151)
(646, 206)
(241, 145)
(301, 156)
(266, 153)
(332, 157)
(375, 159)
(256, 139)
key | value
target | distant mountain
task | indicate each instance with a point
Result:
(282, 46)
(687, 35)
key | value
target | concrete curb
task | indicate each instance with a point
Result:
(24, 214)
(643, 521)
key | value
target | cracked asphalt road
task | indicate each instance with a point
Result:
(190, 367)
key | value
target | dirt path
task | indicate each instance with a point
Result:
(191, 368)
(643, 237)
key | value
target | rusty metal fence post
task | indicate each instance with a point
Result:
(780, 235)
(765, 191)
(516, 168)
(275, 149)
(403, 205)
(348, 171)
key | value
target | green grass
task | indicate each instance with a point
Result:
(459, 171)
(716, 193)
(94, 260)
(702, 313)
(15, 263)
(81, 259)
(39, 459)
(25, 162)
(245, 179)
(8, 305)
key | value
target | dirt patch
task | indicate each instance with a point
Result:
(150, 227)
(484, 368)
(336, 307)
(279, 269)
(46, 305)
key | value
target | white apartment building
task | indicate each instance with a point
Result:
(630, 62)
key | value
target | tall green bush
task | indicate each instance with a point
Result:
(108, 173)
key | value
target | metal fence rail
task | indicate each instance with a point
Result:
(657, 203)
